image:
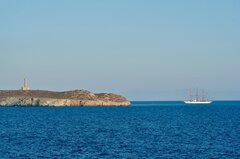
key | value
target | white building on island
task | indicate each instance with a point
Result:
(25, 85)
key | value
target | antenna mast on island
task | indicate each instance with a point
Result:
(25, 85)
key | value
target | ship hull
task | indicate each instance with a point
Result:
(197, 102)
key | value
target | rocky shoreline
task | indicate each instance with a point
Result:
(67, 98)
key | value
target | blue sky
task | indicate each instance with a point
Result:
(144, 50)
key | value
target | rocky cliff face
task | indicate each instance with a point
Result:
(68, 98)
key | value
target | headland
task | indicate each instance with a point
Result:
(67, 98)
(27, 97)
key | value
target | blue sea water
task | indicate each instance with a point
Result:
(145, 130)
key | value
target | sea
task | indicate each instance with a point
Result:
(145, 130)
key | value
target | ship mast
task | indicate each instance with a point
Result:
(203, 95)
(197, 95)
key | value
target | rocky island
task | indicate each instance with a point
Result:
(27, 97)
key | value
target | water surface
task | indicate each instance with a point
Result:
(145, 130)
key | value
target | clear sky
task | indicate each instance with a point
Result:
(142, 49)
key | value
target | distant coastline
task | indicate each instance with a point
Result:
(67, 98)
(27, 97)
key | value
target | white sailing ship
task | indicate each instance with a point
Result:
(199, 98)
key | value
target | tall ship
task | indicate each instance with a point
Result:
(198, 98)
